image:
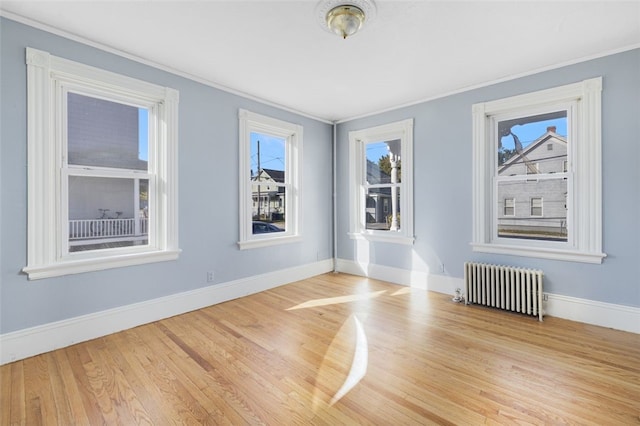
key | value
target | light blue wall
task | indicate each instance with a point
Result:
(208, 182)
(442, 197)
(209, 190)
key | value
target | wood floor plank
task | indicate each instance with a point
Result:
(217, 387)
(39, 401)
(285, 356)
(78, 357)
(68, 386)
(64, 414)
(12, 394)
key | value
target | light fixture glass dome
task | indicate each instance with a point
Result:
(345, 20)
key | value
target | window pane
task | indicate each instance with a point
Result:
(107, 212)
(509, 207)
(106, 134)
(381, 213)
(268, 208)
(267, 158)
(536, 207)
(532, 145)
(383, 162)
(540, 209)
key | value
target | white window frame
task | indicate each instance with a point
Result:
(48, 79)
(400, 130)
(292, 134)
(584, 174)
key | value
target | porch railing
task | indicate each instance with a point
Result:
(84, 229)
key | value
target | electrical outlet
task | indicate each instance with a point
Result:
(545, 297)
(210, 276)
(442, 267)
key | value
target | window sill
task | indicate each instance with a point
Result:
(77, 266)
(266, 242)
(542, 253)
(395, 239)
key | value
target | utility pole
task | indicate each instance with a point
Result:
(259, 174)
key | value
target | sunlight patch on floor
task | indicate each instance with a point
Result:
(404, 290)
(336, 300)
(358, 365)
(343, 366)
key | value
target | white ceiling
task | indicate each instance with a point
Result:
(277, 51)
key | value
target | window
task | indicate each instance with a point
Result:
(509, 206)
(270, 155)
(554, 134)
(102, 176)
(106, 173)
(381, 183)
(533, 169)
(536, 208)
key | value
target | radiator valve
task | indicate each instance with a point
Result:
(458, 296)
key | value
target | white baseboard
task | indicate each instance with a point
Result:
(418, 279)
(44, 338)
(619, 317)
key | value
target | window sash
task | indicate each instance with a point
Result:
(571, 107)
(82, 170)
(134, 175)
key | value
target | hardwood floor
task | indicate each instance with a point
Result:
(335, 349)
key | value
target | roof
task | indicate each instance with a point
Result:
(546, 137)
(275, 175)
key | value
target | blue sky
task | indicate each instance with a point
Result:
(143, 134)
(272, 152)
(376, 150)
(528, 133)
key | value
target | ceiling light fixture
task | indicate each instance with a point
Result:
(345, 20)
(345, 17)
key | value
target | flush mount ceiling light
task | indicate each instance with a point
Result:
(345, 17)
(345, 20)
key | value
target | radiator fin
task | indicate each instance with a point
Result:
(504, 287)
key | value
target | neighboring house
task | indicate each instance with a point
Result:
(533, 205)
(378, 207)
(268, 195)
(104, 134)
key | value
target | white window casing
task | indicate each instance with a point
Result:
(582, 100)
(293, 135)
(402, 131)
(49, 78)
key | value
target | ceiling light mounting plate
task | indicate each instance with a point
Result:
(325, 7)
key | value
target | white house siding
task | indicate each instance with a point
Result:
(88, 194)
(548, 161)
(102, 134)
(551, 191)
(553, 203)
